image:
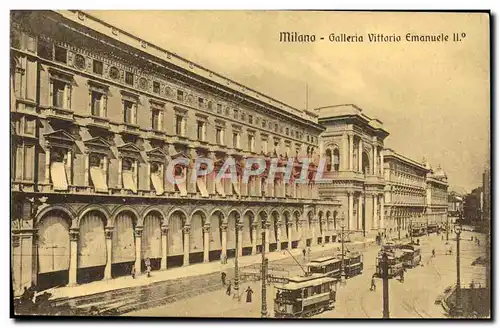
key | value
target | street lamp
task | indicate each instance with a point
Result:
(342, 227)
(458, 308)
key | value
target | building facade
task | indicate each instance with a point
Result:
(437, 196)
(352, 145)
(96, 116)
(405, 193)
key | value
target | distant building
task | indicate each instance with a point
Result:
(473, 206)
(455, 204)
(486, 202)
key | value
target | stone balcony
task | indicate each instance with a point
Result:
(56, 113)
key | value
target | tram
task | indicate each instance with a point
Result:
(417, 231)
(395, 264)
(411, 255)
(305, 296)
(432, 228)
(331, 266)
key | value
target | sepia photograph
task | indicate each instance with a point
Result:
(275, 164)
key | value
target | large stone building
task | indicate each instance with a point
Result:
(97, 114)
(405, 192)
(352, 145)
(437, 196)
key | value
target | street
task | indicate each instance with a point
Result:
(411, 299)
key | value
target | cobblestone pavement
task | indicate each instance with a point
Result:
(415, 298)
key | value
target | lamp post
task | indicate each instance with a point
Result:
(263, 312)
(236, 270)
(458, 308)
(447, 229)
(342, 227)
(385, 285)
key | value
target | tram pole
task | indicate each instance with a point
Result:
(458, 307)
(263, 312)
(385, 286)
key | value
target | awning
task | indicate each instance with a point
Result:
(98, 179)
(58, 175)
(219, 188)
(128, 181)
(202, 187)
(156, 179)
(236, 187)
(181, 185)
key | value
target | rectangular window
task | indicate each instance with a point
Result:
(156, 87)
(218, 135)
(128, 112)
(276, 127)
(200, 102)
(58, 93)
(178, 125)
(180, 95)
(219, 108)
(287, 131)
(264, 123)
(264, 146)
(29, 159)
(97, 67)
(251, 143)
(96, 103)
(200, 130)
(155, 119)
(235, 113)
(129, 78)
(61, 55)
(250, 119)
(29, 126)
(236, 140)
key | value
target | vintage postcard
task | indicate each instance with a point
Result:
(256, 164)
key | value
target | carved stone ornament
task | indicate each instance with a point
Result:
(138, 232)
(206, 229)
(164, 230)
(223, 228)
(186, 229)
(109, 233)
(73, 235)
(79, 61)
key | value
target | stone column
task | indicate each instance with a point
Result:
(87, 166)
(278, 234)
(303, 237)
(350, 204)
(344, 164)
(223, 228)
(289, 227)
(69, 166)
(138, 243)
(374, 156)
(360, 214)
(164, 247)
(109, 252)
(351, 151)
(381, 163)
(360, 155)
(382, 224)
(73, 256)
(312, 226)
(47, 165)
(186, 230)
(266, 246)
(323, 231)
(254, 239)
(120, 183)
(375, 209)
(239, 231)
(206, 243)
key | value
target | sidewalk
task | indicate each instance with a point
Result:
(187, 271)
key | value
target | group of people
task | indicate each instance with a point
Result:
(228, 286)
(306, 251)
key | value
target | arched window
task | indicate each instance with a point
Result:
(336, 160)
(328, 160)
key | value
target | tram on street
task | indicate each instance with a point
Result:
(395, 264)
(330, 266)
(432, 228)
(417, 231)
(305, 296)
(411, 255)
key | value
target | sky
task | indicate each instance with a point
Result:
(433, 98)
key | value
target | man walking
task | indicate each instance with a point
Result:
(228, 289)
(373, 287)
(223, 278)
(249, 292)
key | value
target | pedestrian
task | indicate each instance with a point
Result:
(304, 252)
(402, 276)
(433, 253)
(228, 289)
(223, 278)
(308, 251)
(249, 292)
(373, 287)
(132, 272)
(148, 271)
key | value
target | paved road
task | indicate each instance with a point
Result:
(414, 298)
